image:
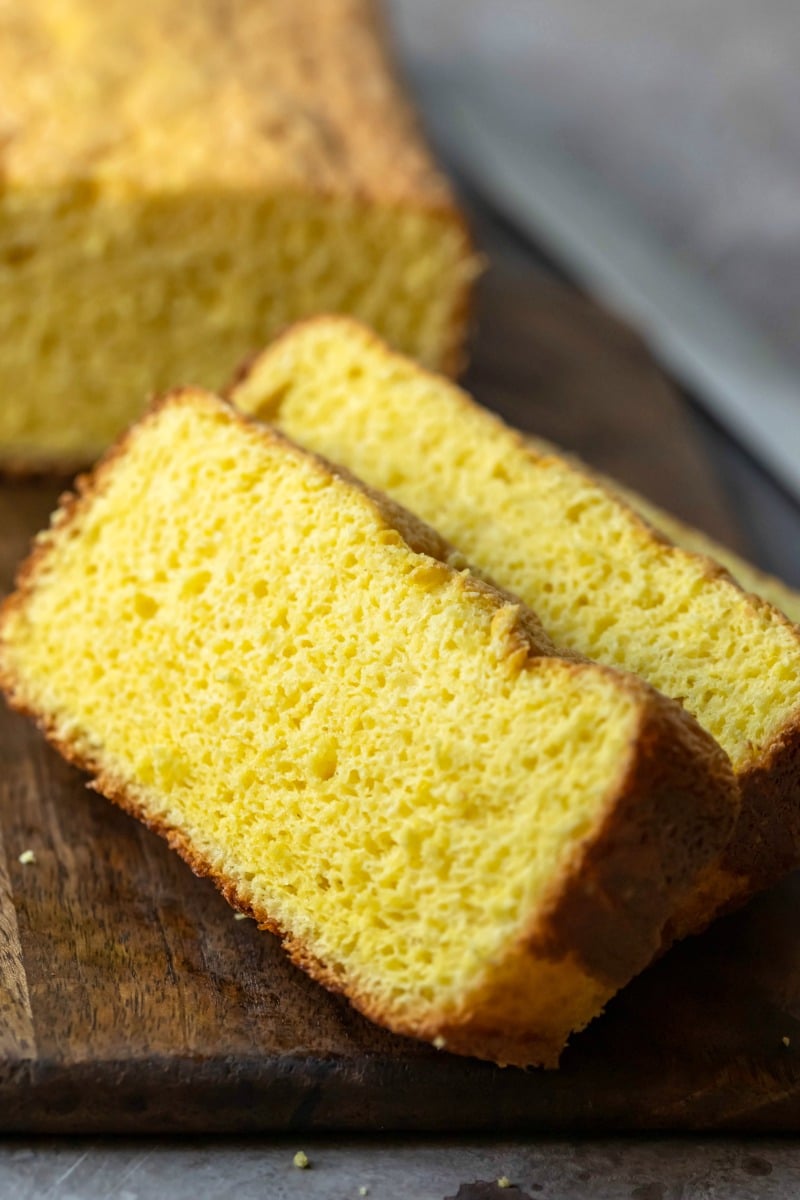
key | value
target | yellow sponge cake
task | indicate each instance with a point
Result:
(179, 181)
(602, 580)
(372, 752)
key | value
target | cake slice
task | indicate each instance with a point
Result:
(179, 183)
(602, 580)
(373, 753)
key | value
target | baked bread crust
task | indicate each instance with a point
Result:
(285, 94)
(667, 813)
(765, 844)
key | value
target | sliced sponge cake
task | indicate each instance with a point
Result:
(603, 582)
(372, 752)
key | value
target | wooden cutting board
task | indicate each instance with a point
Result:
(132, 1001)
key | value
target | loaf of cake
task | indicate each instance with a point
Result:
(179, 181)
(602, 580)
(373, 753)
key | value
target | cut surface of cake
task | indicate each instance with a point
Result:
(178, 186)
(372, 752)
(760, 583)
(749, 577)
(602, 580)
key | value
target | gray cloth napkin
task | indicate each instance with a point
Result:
(690, 108)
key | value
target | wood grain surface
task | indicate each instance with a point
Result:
(132, 1001)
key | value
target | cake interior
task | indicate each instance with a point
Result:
(342, 728)
(537, 526)
(108, 295)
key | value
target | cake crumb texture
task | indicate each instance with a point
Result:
(749, 577)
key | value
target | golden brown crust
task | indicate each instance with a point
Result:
(242, 94)
(764, 845)
(627, 882)
(667, 812)
(455, 354)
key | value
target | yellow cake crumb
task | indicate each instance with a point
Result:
(301, 1160)
(786, 1041)
(27, 858)
(504, 1182)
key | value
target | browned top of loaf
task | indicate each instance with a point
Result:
(160, 96)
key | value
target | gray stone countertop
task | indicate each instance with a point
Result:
(620, 1169)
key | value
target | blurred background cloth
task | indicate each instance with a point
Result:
(689, 108)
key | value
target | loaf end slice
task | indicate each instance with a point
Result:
(603, 581)
(376, 755)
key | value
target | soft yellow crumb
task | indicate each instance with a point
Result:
(240, 916)
(440, 1042)
(27, 857)
(363, 1191)
(786, 1041)
(504, 1182)
(300, 1160)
